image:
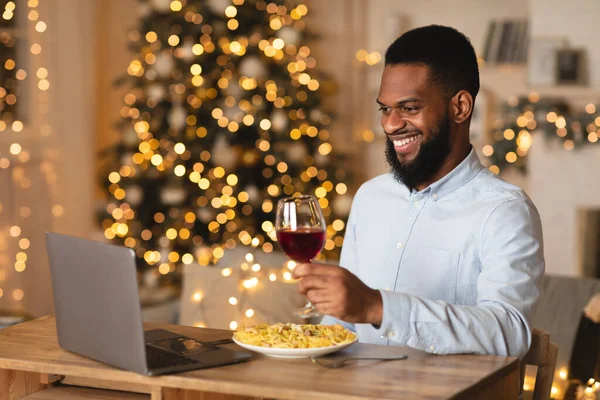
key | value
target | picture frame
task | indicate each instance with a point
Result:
(542, 64)
(570, 67)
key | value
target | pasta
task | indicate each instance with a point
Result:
(294, 336)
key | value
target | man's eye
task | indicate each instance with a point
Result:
(409, 109)
(384, 109)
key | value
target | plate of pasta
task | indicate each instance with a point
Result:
(294, 340)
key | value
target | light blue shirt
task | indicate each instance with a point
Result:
(458, 264)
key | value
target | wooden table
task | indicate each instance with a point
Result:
(33, 366)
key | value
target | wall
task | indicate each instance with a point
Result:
(577, 20)
(563, 182)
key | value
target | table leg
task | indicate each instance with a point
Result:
(505, 389)
(182, 394)
(17, 384)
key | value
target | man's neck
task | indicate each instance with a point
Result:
(452, 161)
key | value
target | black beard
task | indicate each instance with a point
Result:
(428, 161)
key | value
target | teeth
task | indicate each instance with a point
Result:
(404, 142)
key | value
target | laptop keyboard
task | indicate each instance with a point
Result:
(158, 359)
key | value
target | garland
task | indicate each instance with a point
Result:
(520, 116)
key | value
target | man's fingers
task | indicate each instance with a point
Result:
(303, 270)
(313, 282)
(317, 296)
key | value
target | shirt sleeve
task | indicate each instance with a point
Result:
(508, 287)
(347, 258)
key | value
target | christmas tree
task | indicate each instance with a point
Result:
(223, 118)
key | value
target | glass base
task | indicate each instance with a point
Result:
(308, 311)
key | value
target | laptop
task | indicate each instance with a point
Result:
(98, 313)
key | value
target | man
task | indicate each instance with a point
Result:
(440, 255)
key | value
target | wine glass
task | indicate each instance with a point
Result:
(300, 229)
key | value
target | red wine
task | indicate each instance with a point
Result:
(303, 244)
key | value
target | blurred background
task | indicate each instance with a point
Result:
(172, 128)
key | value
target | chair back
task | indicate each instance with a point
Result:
(542, 354)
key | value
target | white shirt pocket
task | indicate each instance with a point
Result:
(431, 273)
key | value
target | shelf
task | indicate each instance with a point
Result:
(506, 80)
(78, 393)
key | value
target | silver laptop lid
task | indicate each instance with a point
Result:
(96, 301)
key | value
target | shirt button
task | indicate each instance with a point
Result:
(416, 204)
(431, 348)
(435, 196)
(399, 245)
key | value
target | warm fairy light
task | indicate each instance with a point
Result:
(179, 170)
(569, 145)
(233, 325)
(250, 283)
(36, 48)
(164, 268)
(15, 231)
(287, 276)
(562, 373)
(18, 294)
(368, 135)
(561, 122)
(338, 225)
(176, 5)
(41, 26)
(173, 40)
(233, 301)
(511, 157)
(15, 148)
(272, 277)
(197, 296)
(231, 11)
(487, 150)
(249, 313)
(187, 259)
(226, 272)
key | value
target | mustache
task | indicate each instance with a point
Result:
(404, 132)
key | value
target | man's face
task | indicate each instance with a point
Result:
(415, 120)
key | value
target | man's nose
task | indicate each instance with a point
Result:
(392, 123)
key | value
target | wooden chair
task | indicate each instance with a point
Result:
(542, 354)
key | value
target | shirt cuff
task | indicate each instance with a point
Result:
(395, 323)
(329, 320)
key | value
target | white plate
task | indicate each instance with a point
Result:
(294, 353)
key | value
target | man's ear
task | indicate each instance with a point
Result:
(461, 106)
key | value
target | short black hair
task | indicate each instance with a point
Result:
(447, 52)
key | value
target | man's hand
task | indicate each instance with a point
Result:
(337, 292)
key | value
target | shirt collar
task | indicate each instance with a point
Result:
(458, 177)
